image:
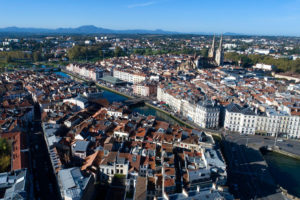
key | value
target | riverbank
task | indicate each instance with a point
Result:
(131, 97)
(286, 172)
(285, 153)
(99, 85)
(189, 125)
(276, 168)
(118, 94)
(172, 116)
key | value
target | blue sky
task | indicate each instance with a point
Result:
(279, 17)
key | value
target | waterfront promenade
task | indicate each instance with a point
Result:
(284, 146)
(189, 125)
(288, 147)
(246, 163)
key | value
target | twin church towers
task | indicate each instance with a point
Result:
(217, 55)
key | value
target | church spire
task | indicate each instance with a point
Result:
(211, 53)
(221, 43)
(220, 54)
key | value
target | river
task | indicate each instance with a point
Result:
(145, 110)
(285, 170)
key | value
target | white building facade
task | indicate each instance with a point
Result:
(272, 122)
(128, 76)
(205, 113)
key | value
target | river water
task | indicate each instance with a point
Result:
(145, 110)
(285, 170)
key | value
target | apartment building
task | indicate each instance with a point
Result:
(73, 184)
(205, 113)
(128, 76)
(173, 101)
(145, 89)
(111, 165)
(270, 122)
(88, 71)
(238, 119)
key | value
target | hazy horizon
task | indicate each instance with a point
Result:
(256, 17)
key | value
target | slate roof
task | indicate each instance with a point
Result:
(81, 146)
(233, 108)
(248, 111)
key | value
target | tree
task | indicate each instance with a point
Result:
(101, 53)
(204, 52)
(118, 51)
(5, 152)
(8, 58)
(149, 52)
(75, 52)
(37, 56)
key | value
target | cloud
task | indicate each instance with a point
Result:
(141, 4)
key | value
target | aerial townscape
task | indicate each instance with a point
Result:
(137, 114)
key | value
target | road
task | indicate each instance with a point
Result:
(248, 173)
(291, 146)
(45, 184)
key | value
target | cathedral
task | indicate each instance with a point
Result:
(217, 55)
(192, 63)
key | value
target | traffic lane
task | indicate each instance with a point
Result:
(43, 174)
(291, 146)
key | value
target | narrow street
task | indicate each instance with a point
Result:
(44, 180)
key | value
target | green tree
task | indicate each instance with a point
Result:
(8, 58)
(204, 52)
(118, 51)
(149, 52)
(37, 56)
(75, 52)
(5, 152)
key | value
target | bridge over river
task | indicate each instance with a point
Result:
(135, 102)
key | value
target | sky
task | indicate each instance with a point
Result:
(268, 17)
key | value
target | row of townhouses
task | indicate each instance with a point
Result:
(272, 122)
(128, 76)
(205, 113)
(91, 72)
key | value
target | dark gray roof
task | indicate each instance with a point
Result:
(233, 108)
(248, 111)
(237, 109)
(207, 103)
(72, 177)
(15, 183)
(81, 145)
(120, 160)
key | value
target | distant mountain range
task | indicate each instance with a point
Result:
(90, 29)
(81, 30)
